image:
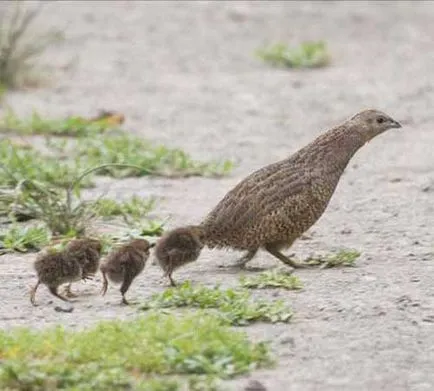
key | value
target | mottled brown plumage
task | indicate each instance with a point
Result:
(87, 252)
(177, 248)
(54, 269)
(275, 205)
(124, 264)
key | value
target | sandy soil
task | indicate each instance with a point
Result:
(184, 74)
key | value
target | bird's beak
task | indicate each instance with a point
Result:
(396, 124)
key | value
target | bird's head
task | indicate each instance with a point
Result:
(370, 123)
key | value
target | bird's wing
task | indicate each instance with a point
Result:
(283, 189)
(178, 254)
(245, 190)
(123, 257)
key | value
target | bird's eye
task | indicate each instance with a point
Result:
(380, 120)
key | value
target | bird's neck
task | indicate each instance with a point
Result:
(332, 151)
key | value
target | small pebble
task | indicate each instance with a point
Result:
(429, 319)
(62, 309)
(254, 385)
(287, 340)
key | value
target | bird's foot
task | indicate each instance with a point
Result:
(70, 294)
(172, 282)
(238, 265)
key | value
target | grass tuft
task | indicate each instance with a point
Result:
(307, 55)
(132, 211)
(63, 210)
(17, 164)
(19, 46)
(275, 278)
(151, 160)
(72, 126)
(56, 207)
(143, 157)
(142, 354)
(341, 258)
(23, 239)
(234, 306)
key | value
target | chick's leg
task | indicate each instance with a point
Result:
(53, 290)
(33, 293)
(128, 279)
(104, 284)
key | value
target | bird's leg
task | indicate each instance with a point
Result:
(53, 290)
(128, 279)
(33, 293)
(241, 262)
(172, 282)
(274, 250)
(104, 284)
(68, 292)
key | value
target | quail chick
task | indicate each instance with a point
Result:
(54, 269)
(274, 206)
(177, 248)
(124, 264)
(87, 252)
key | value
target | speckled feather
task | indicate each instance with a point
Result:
(54, 269)
(87, 252)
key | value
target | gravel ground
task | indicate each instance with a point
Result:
(184, 73)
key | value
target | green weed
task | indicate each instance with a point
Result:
(272, 279)
(141, 156)
(307, 55)
(132, 211)
(37, 125)
(235, 306)
(341, 258)
(66, 214)
(24, 239)
(150, 159)
(56, 207)
(17, 164)
(141, 354)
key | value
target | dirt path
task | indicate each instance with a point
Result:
(184, 74)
